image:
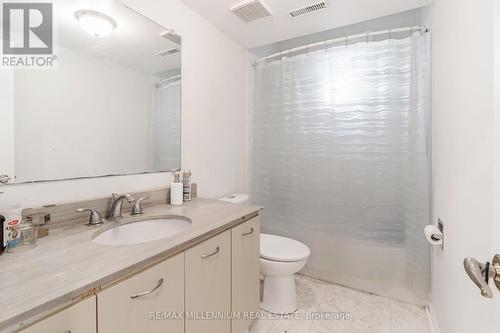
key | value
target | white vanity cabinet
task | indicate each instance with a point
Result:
(197, 291)
(208, 285)
(149, 302)
(79, 318)
(245, 273)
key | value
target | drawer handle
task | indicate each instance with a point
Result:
(160, 283)
(248, 233)
(205, 256)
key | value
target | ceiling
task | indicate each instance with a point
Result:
(280, 26)
(134, 43)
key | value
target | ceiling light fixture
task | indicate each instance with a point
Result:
(95, 23)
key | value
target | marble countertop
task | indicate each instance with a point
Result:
(67, 265)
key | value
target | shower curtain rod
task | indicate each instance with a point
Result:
(167, 80)
(331, 42)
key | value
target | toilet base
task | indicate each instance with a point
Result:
(279, 296)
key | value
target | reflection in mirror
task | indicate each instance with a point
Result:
(111, 106)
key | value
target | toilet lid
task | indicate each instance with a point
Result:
(279, 248)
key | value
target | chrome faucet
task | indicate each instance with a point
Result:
(115, 210)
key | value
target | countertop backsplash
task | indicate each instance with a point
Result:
(64, 216)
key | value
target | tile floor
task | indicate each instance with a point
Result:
(366, 313)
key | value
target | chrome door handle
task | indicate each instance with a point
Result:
(248, 233)
(477, 272)
(160, 283)
(480, 274)
(205, 256)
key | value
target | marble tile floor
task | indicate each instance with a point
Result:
(339, 309)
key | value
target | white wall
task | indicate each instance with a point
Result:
(215, 100)
(462, 158)
(7, 141)
(89, 117)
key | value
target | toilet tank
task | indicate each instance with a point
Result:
(236, 198)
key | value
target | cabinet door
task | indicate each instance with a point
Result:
(149, 302)
(245, 273)
(208, 285)
(79, 318)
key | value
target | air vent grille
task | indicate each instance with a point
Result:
(172, 36)
(308, 9)
(168, 52)
(250, 11)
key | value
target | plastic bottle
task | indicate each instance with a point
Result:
(186, 185)
(176, 191)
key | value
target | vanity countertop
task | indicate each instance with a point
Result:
(67, 265)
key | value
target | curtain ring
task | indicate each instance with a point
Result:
(390, 36)
(326, 46)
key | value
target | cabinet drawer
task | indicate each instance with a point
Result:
(79, 318)
(208, 284)
(245, 273)
(150, 302)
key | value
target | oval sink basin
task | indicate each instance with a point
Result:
(142, 231)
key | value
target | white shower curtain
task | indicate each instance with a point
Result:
(166, 127)
(341, 161)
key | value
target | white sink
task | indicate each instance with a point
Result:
(142, 231)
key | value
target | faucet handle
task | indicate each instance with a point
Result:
(4, 179)
(137, 209)
(95, 216)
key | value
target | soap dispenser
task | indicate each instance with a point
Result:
(176, 191)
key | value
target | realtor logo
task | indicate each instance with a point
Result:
(28, 34)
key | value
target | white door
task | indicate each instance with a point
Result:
(466, 160)
(495, 311)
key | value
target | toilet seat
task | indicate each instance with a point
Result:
(282, 249)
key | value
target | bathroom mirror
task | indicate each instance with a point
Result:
(109, 105)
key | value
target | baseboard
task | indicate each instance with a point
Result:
(431, 317)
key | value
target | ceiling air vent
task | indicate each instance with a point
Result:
(250, 11)
(167, 52)
(308, 9)
(172, 36)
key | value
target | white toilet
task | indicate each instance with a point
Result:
(280, 259)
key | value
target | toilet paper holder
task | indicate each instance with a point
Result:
(437, 237)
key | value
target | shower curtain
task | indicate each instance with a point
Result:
(341, 161)
(166, 126)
